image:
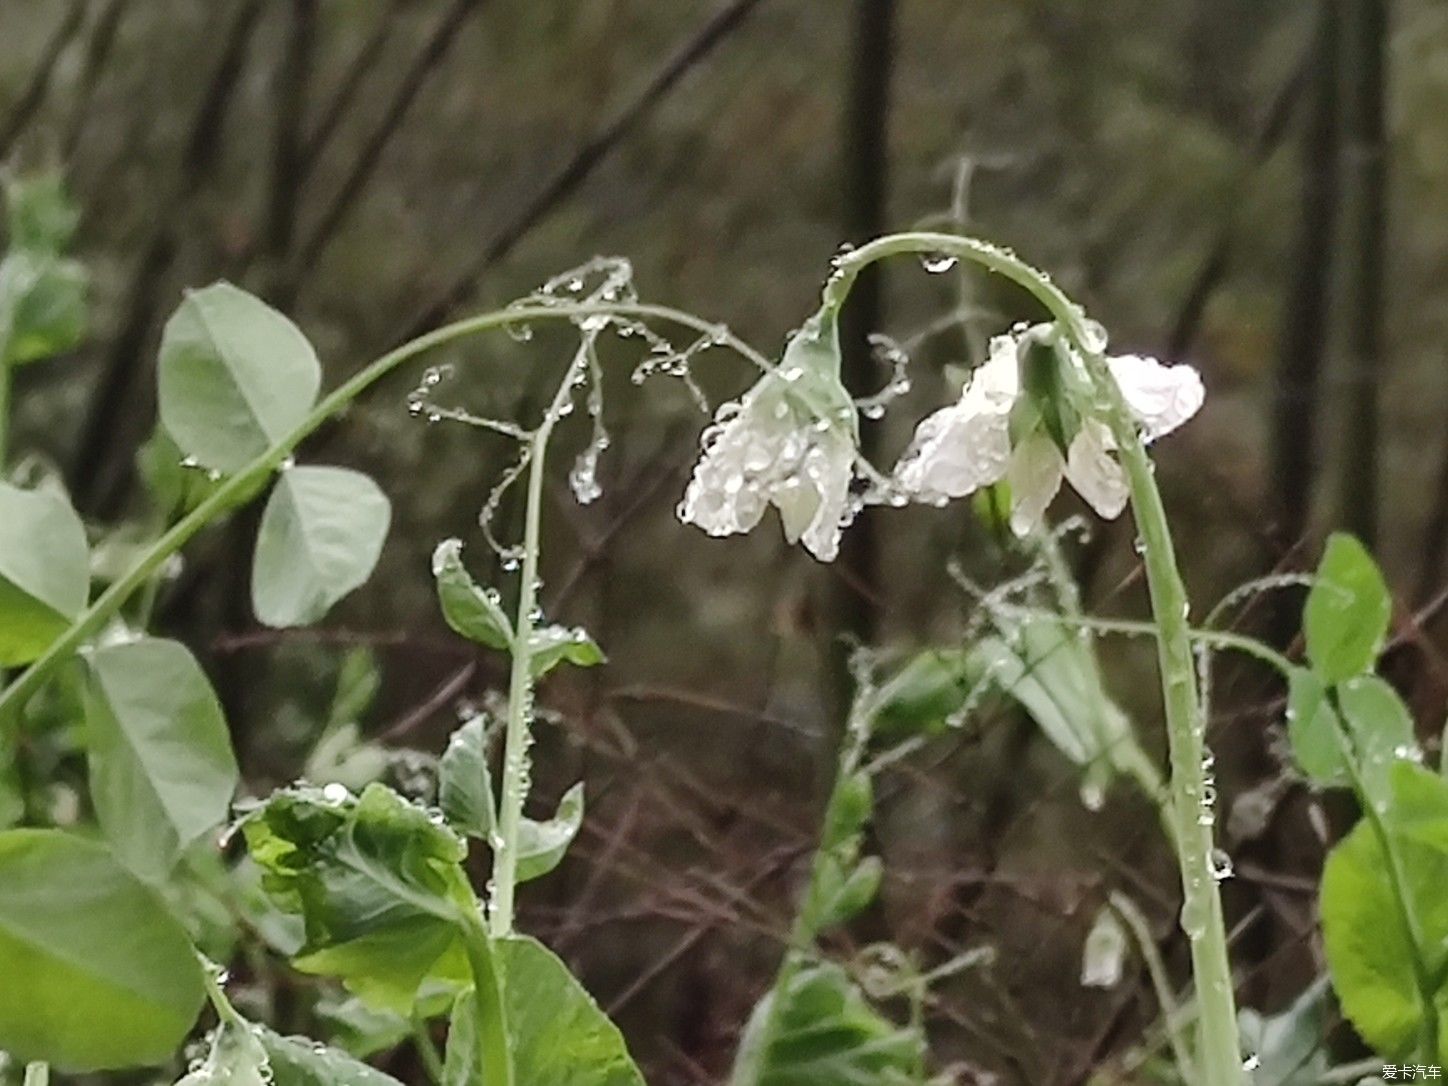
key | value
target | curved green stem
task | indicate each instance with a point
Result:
(249, 478)
(805, 928)
(1171, 1013)
(1218, 1056)
(518, 734)
(494, 1049)
(426, 1049)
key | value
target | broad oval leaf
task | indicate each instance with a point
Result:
(378, 883)
(465, 783)
(1381, 730)
(236, 1058)
(541, 845)
(1290, 1047)
(1369, 952)
(243, 1054)
(1419, 807)
(162, 772)
(298, 1061)
(1346, 617)
(824, 1033)
(44, 571)
(320, 538)
(557, 1033)
(474, 612)
(234, 377)
(1313, 729)
(75, 992)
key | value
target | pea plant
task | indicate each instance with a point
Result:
(110, 944)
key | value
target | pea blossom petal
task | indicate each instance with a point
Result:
(1094, 474)
(1034, 476)
(1161, 397)
(970, 444)
(788, 442)
(965, 446)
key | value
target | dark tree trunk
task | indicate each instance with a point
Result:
(865, 174)
(1304, 341)
(1366, 174)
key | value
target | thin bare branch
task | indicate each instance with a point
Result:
(33, 97)
(577, 169)
(429, 58)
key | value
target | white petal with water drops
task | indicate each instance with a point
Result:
(969, 445)
(1161, 397)
(1094, 474)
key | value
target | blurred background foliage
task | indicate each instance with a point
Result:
(1190, 170)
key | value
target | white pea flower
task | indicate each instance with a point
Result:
(973, 443)
(790, 441)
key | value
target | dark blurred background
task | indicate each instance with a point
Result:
(1260, 189)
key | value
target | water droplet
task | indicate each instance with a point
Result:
(1221, 865)
(936, 263)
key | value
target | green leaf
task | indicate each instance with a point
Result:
(359, 1030)
(554, 645)
(234, 377)
(1347, 612)
(237, 1058)
(12, 790)
(824, 1034)
(299, 1061)
(40, 216)
(1313, 730)
(460, 1058)
(1419, 807)
(557, 1033)
(541, 845)
(560, 1036)
(1368, 950)
(465, 784)
(1381, 729)
(1048, 393)
(358, 680)
(320, 538)
(162, 772)
(174, 488)
(849, 812)
(1290, 1047)
(1373, 719)
(246, 1055)
(842, 895)
(474, 612)
(1051, 672)
(97, 974)
(377, 881)
(44, 571)
(921, 696)
(42, 306)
